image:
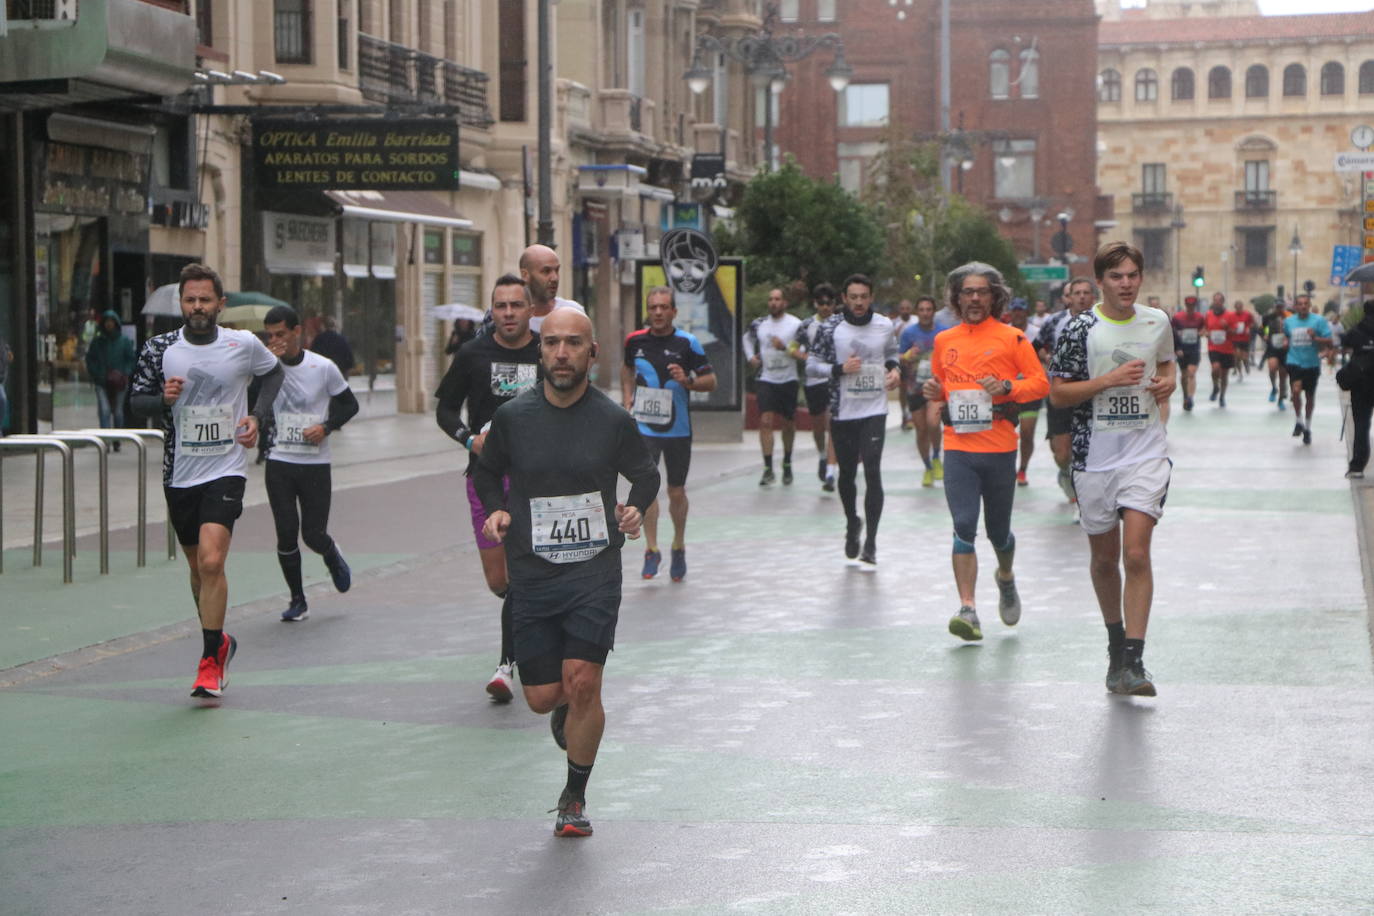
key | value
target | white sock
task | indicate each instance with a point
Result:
(832, 470)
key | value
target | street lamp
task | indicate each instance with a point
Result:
(1295, 249)
(765, 57)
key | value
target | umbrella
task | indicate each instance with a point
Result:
(244, 317)
(249, 298)
(457, 312)
(163, 302)
(1362, 274)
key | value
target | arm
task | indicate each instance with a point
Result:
(146, 391)
(491, 466)
(267, 394)
(820, 359)
(697, 374)
(627, 386)
(634, 464)
(452, 393)
(342, 408)
(1035, 384)
(894, 368)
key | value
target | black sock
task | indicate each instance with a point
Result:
(786, 458)
(291, 569)
(507, 632)
(768, 462)
(1116, 636)
(1132, 651)
(577, 780)
(212, 640)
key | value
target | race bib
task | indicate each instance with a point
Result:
(290, 437)
(568, 529)
(867, 382)
(1188, 336)
(1302, 337)
(970, 410)
(653, 406)
(923, 368)
(777, 361)
(1127, 407)
(1278, 341)
(205, 431)
(1217, 337)
(509, 379)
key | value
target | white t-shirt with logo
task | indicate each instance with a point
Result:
(213, 400)
(303, 402)
(537, 321)
(778, 366)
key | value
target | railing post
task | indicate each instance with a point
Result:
(136, 437)
(37, 444)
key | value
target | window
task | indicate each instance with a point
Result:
(1219, 83)
(345, 36)
(1333, 79)
(1256, 176)
(291, 31)
(1255, 245)
(1152, 178)
(205, 23)
(1295, 80)
(1153, 245)
(1182, 84)
(1109, 86)
(634, 52)
(1146, 85)
(825, 10)
(863, 105)
(788, 10)
(1029, 80)
(1257, 82)
(854, 159)
(1014, 169)
(1367, 77)
(513, 63)
(999, 74)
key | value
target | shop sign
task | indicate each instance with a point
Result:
(294, 244)
(407, 154)
(91, 180)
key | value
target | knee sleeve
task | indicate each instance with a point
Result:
(961, 545)
(1009, 546)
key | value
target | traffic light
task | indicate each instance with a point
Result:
(1198, 278)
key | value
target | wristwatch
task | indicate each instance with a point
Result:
(1006, 386)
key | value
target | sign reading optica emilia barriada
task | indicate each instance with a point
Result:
(414, 154)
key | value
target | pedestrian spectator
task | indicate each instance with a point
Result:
(463, 331)
(331, 344)
(110, 361)
(1357, 377)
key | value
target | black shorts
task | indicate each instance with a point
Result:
(677, 456)
(1297, 375)
(779, 398)
(219, 501)
(562, 617)
(1224, 360)
(1189, 356)
(1031, 408)
(915, 400)
(1280, 355)
(1058, 421)
(817, 398)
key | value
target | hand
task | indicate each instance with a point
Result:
(677, 374)
(628, 517)
(496, 525)
(993, 386)
(932, 390)
(277, 347)
(911, 354)
(246, 433)
(171, 389)
(1162, 388)
(777, 344)
(314, 434)
(1127, 375)
(755, 362)
(894, 378)
(475, 443)
(852, 365)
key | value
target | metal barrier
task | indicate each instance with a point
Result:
(137, 437)
(102, 457)
(36, 444)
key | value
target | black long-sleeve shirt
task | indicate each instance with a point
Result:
(484, 376)
(550, 451)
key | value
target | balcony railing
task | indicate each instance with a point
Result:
(1256, 200)
(390, 72)
(40, 14)
(1152, 202)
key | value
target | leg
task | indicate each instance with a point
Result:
(1297, 390)
(921, 421)
(651, 526)
(1062, 448)
(789, 435)
(767, 421)
(1361, 407)
(1027, 440)
(998, 479)
(1105, 569)
(1137, 529)
(874, 433)
(1310, 389)
(819, 424)
(282, 497)
(102, 405)
(586, 717)
(315, 492)
(207, 576)
(963, 494)
(844, 435)
(677, 509)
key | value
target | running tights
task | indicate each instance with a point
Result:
(986, 478)
(855, 441)
(306, 485)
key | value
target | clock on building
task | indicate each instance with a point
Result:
(1362, 137)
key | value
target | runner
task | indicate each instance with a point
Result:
(488, 371)
(662, 364)
(1306, 333)
(905, 315)
(858, 351)
(1017, 317)
(1220, 351)
(1242, 328)
(1115, 367)
(539, 271)
(314, 402)
(817, 390)
(195, 381)
(1189, 326)
(563, 445)
(766, 347)
(916, 346)
(1276, 353)
(1079, 294)
(983, 368)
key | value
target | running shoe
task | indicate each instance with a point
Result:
(829, 485)
(213, 674)
(572, 818)
(853, 527)
(1306, 436)
(1114, 671)
(1135, 681)
(1021, 480)
(1281, 400)
(965, 624)
(1297, 429)
(1187, 403)
(297, 611)
(1354, 475)
(938, 466)
(786, 474)
(928, 478)
(558, 719)
(651, 560)
(338, 569)
(501, 687)
(767, 478)
(1215, 392)
(1273, 394)
(1222, 401)
(870, 553)
(820, 470)
(1008, 601)
(678, 568)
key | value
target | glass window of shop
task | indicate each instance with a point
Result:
(369, 309)
(453, 276)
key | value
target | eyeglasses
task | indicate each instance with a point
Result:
(970, 293)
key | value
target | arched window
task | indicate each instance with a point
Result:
(1295, 80)
(1182, 84)
(1109, 86)
(999, 74)
(1219, 83)
(1367, 77)
(1146, 85)
(1333, 78)
(1257, 82)
(1029, 80)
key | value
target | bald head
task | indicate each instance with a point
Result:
(566, 321)
(566, 349)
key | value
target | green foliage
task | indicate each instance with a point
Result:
(1263, 304)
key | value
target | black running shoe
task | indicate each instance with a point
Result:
(1297, 429)
(870, 553)
(558, 719)
(786, 474)
(572, 818)
(1135, 681)
(820, 470)
(829, 485)
(767, 478)
(338, 569)
(1306, 436)
(853, 529)
(297, 611)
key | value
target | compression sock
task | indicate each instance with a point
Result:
(507, 632)
(577, 780)
(925, 459)
(212, 640)
(768, 462)
(291, 570)
(1132, 650)
(1116, 638)
(787, 458)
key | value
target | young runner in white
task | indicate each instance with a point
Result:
(1114, 365)
(766, 347)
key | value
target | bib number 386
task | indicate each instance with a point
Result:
(1123, 408)
(568, 529)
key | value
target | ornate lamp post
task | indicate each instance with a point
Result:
(765, 57)
(1295, 249)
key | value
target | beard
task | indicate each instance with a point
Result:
(568, 382)
(200, 324)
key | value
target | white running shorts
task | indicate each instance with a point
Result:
(1103, 494)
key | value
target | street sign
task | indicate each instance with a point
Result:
(1044, 273)
(1354, 162)
(1344, 259)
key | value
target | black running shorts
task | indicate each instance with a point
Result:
(1307, 378)
(1190, 356)
(219, 501)
(1058, 421)
(569, 615)
(779, 398)
(1224, 360)
(817, 398)
(677, 456)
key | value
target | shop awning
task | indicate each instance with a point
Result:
(398, 207)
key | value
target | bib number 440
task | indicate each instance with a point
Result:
(571, 531)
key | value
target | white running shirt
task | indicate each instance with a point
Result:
(779, 367)
(302, 402)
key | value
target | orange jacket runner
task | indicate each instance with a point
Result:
(967, 352)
